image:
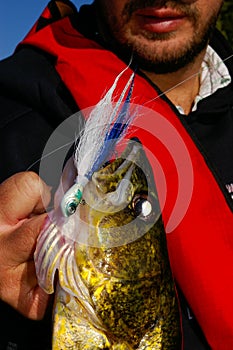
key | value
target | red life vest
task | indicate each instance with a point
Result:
(197, 217)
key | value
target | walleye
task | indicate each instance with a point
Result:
(115, 288)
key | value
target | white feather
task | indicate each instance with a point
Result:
(98, 123)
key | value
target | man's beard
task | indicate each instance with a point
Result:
(167, 62)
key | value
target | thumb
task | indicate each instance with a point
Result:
(22, 195)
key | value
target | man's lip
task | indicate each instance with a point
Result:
(163, 20)
(162, 13)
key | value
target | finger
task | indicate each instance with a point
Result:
(33, 300)
(39, 303)
(21, 195)
(22, 241)
(19, 284)
(21, 291)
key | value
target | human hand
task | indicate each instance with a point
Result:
(22, 215)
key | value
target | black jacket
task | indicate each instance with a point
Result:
(34, 101)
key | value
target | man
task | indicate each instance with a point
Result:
(180, 74)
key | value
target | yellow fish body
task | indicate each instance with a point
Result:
(115, 288)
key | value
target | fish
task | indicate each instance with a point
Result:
(115, 289)
(103, 250)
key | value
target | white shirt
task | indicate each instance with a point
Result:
(214, 76)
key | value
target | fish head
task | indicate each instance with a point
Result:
(120, 203)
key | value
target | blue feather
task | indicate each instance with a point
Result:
(114, 133)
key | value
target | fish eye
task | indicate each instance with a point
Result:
(142, 206)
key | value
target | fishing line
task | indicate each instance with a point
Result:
(187, 79)
(154, 99)
(49, 154)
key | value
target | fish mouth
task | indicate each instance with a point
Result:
(114, 215)
(99, 193)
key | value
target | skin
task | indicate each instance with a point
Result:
(20, 223)
(157, 45)
(167, 38)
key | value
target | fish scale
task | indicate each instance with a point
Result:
(119, 293)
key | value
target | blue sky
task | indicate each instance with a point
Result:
(17, 17)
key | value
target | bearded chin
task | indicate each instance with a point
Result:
(172, 63)
(167, 62)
